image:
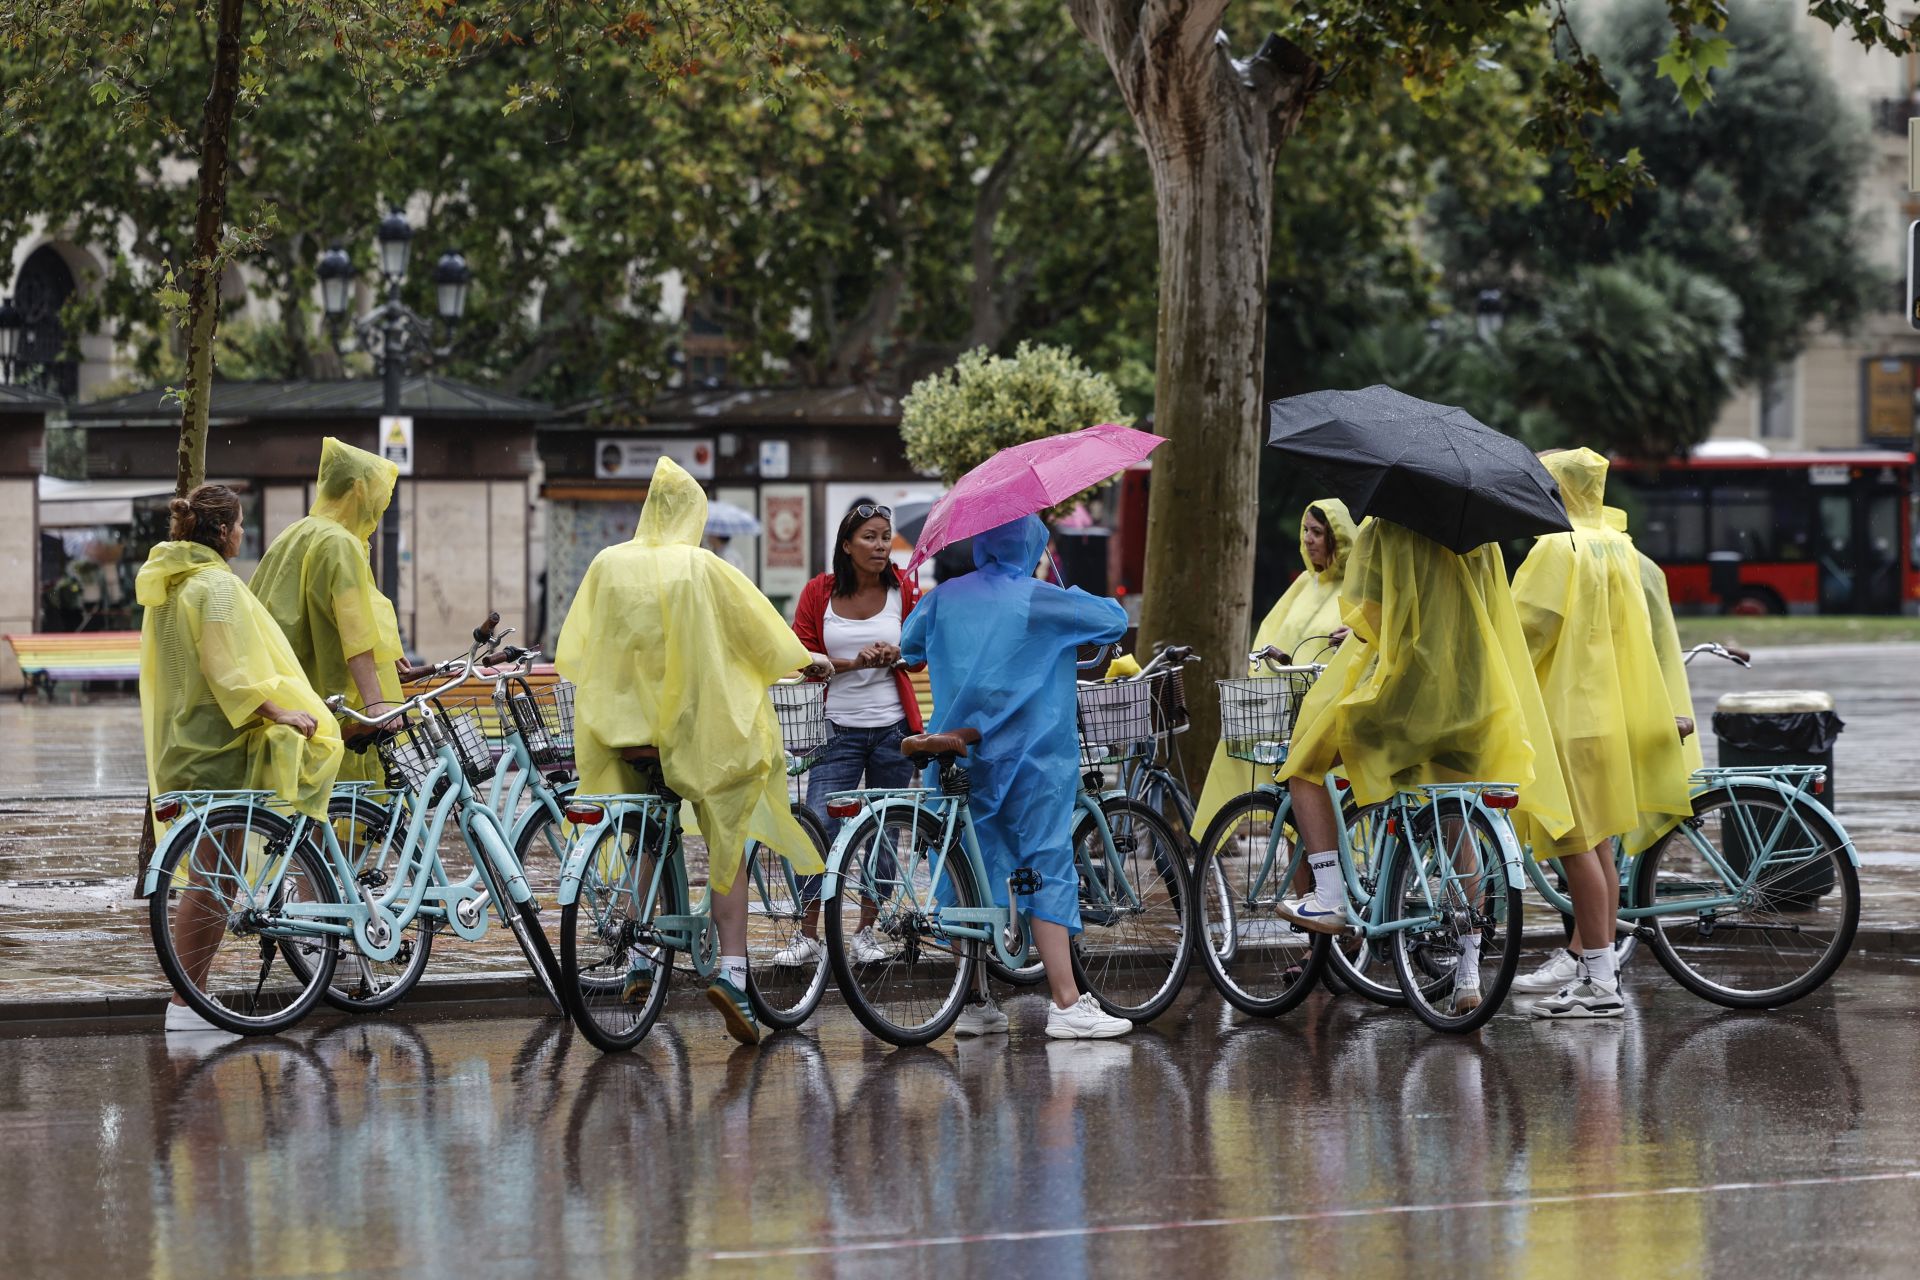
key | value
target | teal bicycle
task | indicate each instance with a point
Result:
(1426, 871)
(251, 908)
(914, 853)
(627, 909)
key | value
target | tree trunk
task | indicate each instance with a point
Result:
(203, 290)
(1211, 128)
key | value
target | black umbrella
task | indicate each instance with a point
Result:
(1430, 467)
(950, 561)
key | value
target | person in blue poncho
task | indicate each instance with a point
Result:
(999, 645)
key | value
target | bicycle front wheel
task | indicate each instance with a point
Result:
(1135, 944)
(907, 989)
(783, 996)
(1362, 964)
(362, 984)
(216, 921)
(613, 971)
(1453, 880)
(1261, 964)
(1777, 941)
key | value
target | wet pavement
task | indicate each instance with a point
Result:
(73, 781)
(1342, 1139)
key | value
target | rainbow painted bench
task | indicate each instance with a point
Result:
(49, 657)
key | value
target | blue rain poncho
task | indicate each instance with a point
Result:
(999, 646)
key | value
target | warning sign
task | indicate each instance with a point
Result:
(396, 443)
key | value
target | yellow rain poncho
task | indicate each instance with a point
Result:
(1309, 607)
(209, 656)
(1584, 611)
(1673, 674)
(1434, 684)
(318, 584)
(672, 647)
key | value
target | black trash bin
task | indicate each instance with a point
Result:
(1780, 726)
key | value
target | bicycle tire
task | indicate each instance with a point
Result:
(781, 1004)
(1428, 987)
(1135, 960)
(599, 947)
(522, 919)
(1703, 964)
(865, 986)
(1251, 943)
(394, 978)
(1363, 965)
(540, 846)
(261, 1015)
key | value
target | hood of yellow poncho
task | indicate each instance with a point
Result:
(1614, 518)
(1582, 477)
(168, 565)
(354, 487)
(1340, 525)
(675, 512)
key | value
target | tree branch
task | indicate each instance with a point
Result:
(986, 326)
(1190, 24)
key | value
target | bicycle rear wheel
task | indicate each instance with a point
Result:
(1775, 944)
(1261, 964)
(614, 973)
(222, 882)
(1361, 964)
(913, 992)
(1135, 944)
(783, 996)
(1452, 876)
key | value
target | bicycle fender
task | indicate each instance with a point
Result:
(836, 856)
(1512, 855)
(584, 839)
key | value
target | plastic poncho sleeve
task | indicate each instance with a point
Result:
(210, 655)
(1437, 688)
(1592, 649)
(671, 647)
(1309, 607)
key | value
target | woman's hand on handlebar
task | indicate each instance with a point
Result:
(820, 668)
(1685, 725)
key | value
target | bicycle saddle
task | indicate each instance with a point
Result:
(633, 755)
(952, 743)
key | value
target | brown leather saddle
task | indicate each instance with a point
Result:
(934, 746)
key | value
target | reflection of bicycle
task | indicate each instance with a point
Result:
(1431, 874)
(914, 853)
(1722, 898)
(283, 897)
(626, 907)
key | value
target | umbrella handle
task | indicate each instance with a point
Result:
(1059, 578)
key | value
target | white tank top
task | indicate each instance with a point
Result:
(866, 699)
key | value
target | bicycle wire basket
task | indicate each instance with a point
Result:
(1170, 714)
(1257, 713)
(802, 712)
(410, 754)
(544, 717)
(1118, 719)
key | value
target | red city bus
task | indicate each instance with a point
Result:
(1779, 533)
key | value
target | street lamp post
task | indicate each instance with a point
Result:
(391, 333)
(1489, 314)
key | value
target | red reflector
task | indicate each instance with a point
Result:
(1501, 799)
(1393, 826)
(1819, 786)
(166, 811)
(584, 815)
(1341, 784)
(844, 808)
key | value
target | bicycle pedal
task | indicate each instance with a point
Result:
(372, 878)
(1025, 880)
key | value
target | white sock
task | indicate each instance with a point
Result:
(1599, 964)
(1329, 892)
(1470, 955)
(734, 970)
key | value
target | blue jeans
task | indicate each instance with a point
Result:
(854, 758)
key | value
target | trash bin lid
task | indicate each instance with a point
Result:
(1773, 702)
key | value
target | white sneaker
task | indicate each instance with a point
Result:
(1584, 998)
(1559, 970)
(982, 1019)
(1310, 915)
(1466, 990)
(865, 947)
(184, 1018)
(803, 952)
(1084, 1019)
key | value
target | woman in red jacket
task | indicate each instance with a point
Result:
(852, 618)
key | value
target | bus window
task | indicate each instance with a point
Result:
(1836, 553)
(1674, 527)
(1880, 557)
(1743, 522)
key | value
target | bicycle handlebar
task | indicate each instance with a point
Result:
(1099, 659)
(1732, 653)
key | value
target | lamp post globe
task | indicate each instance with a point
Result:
(451, 278)
(13, 327)
(1490, 313)
(335, 270)
(395, 236)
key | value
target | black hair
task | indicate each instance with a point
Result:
(845, 580)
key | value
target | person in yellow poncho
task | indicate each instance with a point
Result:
(1308, 609)
(1584, 610)
(223, 704)
(318, 584)
(672, 648)
(1434, 685)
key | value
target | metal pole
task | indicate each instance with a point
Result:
(392, 371)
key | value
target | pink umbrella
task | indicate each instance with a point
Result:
(1027, 479)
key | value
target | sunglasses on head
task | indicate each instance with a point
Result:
(868, 510)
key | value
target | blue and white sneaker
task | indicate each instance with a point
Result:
(1311, 916)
